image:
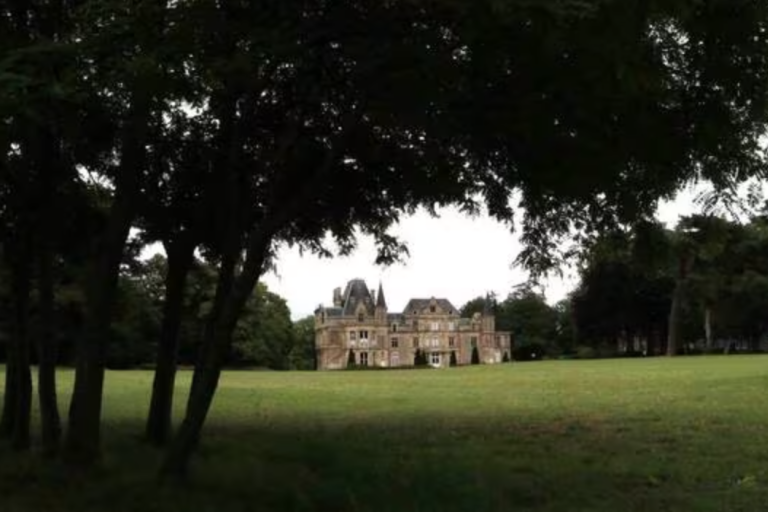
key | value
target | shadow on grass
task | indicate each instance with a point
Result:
(425, 464)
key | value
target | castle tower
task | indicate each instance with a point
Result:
(488, 323)
(381, 306)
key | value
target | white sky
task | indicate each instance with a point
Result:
(454, 257)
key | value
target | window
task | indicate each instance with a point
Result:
(473, 341)
(363, 358)
(394, 342)
(361, 317)
(451, 341)
(434, 359)
(363, 335)
(352, 335)
(434, 342)
(415, 342)
(394, 327)
(435, 326)
(431, 309)
(451, 326)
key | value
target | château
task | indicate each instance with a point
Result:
(358, 327)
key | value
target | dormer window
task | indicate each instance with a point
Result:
(394, 327)
(431, 309)
(361, 317)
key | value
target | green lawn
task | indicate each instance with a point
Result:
(688, 434)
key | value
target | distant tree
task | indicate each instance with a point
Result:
(565, 328)
(531, 320)
(264, 335)
(303, 354)
(476, 305)
(475, 356)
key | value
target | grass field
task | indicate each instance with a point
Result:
(689, 434)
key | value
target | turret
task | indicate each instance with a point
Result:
(337, 299)
(489, 318)
(381, 306)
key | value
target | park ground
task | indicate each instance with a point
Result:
(685, 434)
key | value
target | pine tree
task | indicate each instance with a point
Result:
(351, 359)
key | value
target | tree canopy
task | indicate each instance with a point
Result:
(231, 127)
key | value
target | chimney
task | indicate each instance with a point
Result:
(337, 297)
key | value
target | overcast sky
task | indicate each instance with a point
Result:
(453, 257)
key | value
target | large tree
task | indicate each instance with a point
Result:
(346, 115)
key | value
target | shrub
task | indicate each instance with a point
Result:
(505, 357)
(351, 359)
(584, 352)
(529, 352)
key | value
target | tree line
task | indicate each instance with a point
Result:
(225, 129)
(700, 287)
(265, 336)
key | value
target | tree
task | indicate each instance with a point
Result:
(303, 355)
(138, 33)
(264, 335)
(532, 322)
(173, 211)
(473, 306)
(351, 362)
(299, 109)
(565, 329)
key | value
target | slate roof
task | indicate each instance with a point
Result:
(421, 304)
(356, 293)
(380, 301)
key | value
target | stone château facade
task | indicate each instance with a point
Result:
(359, 321)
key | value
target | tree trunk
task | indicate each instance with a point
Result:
(673, 334)
(181, 255)
(675, 310)
(50, 421)
(82, 442)
(231, 296)
(20, 435)
(205, 382)
(708, 327)
(10, 395)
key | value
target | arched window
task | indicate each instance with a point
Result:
(361, 317)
